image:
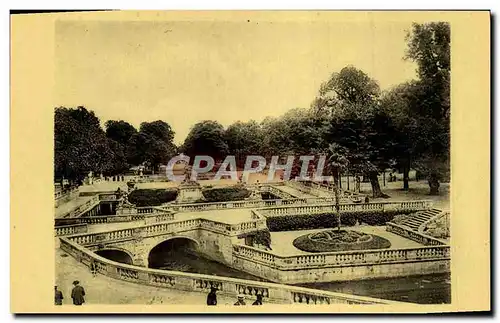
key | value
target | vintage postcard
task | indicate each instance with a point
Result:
(239, 161)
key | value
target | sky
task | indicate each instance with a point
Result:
(184, 72)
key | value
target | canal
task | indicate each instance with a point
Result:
(425, 289)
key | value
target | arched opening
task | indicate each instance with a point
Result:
(115, 255)
(182, 254)
(172, 254)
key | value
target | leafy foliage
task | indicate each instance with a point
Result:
(152, 197)
(225, 194)
(261, 237)
(329, 220)
(80, 144)
(206, 138)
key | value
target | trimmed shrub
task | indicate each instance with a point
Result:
(301, 222)
(152, 197)
(353, 240)
(328, 220)
(235, 193)
(262, 237)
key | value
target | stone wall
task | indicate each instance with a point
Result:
(342, 273)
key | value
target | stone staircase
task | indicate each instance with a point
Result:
(419, 218)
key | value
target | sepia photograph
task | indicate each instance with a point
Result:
(252, 162)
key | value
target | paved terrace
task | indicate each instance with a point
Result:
(105, 290)
(295, 192)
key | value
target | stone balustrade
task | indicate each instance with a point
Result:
(352, 207)
(107, 197)
(148, 217)
(169, 227)
(81, 209)
(272, 293)
(70, 229)
(344, 258)
(197, 207)
(438, 216)
(413, 235)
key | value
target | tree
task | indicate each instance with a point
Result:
(429, 47)
(119, 131)
(152, 145)
(80, 144)
(206, 138)
(337, 161)
(350, 100)
(243, 139)
(119, 134)
(398, 103)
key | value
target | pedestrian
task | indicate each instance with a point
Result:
(78, 293)
(240, 301)
(93, 268)
(58, 297)
(258, 301)
(212, 296)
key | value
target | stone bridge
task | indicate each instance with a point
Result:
(212, 239)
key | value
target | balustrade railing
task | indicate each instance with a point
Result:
(70, 229)
(272, 293)
(344, 258)
(169, 227)
(353, 207)
(413, 235)
(81, 209)
(161, 216)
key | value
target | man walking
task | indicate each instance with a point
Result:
(78, 293)
(58, 297)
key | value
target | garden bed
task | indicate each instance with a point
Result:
(152, 197)
(225, 194)
(328, 220)
(343, 240)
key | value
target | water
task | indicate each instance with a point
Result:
(423, 289)
(194, 263)
(427, 289)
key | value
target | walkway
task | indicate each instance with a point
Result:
(104, 290)
(63, 209)
(295, 192)
(231, 216)
(282, 242)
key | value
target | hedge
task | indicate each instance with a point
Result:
(328, 220)
(306, 244)
(152, 197)
(225, 194)
(262, 237)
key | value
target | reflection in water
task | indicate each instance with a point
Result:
(425, 289)
(115, 255)
(428, 289)
(190, 261)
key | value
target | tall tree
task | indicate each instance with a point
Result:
(120, 131)
(152, 145)
(119, 134)
(206, 138)
(243, 139)
(350, 99)
(81, 145)
(429, 48)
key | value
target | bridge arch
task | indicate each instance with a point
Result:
(162, 252)
(116, 254)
